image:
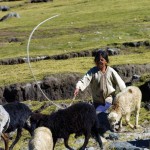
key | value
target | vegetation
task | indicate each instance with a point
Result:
(81, 25)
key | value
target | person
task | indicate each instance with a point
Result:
(103, 81)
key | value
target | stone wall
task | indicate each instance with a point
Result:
(60, 87)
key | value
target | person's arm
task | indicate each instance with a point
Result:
(83, 83)
(76, 91)
(119, 82)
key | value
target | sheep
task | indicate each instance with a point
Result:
(41, 140)
(79, 118)
(19, 113)
(126, 102)
(4, 122)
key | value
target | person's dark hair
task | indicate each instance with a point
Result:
(101, 53)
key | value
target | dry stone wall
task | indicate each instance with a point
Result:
(60, 87)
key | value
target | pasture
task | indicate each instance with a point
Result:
(81, 25)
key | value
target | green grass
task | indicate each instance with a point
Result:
(82, 25)
(21, 73)
(144, 117)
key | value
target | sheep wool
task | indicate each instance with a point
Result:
(41, 140)
(79, 118)
(126, 102)
(4, 119)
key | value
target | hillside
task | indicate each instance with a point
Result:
(81, 25)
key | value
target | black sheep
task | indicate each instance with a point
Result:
(19, 113)
(79, 118)
(103, 123)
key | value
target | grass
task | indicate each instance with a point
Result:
(82, 25)
(21, 73)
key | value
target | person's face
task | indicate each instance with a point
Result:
(102, 63)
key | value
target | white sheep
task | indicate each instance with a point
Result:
(41, 140)
(126, 102)
(4, 120)
(4, 124)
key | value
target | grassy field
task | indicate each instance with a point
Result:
(81, 25)
(21, 73)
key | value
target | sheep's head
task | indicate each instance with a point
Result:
(33, 122)
(113, 119)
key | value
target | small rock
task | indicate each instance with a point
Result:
(113, 136)
(148, 106)
(90, 148)
(103, 140)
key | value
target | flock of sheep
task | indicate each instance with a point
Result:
(79, 118)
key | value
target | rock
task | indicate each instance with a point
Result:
(4, 8)
(10, 15)
(90, 148)
(113, 51)
(103, 140)
(113, 136)
(125, 146)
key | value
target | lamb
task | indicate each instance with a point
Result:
(41, 140)
(126, 102)
(19, 113)
(79, 118)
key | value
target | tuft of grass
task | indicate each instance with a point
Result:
(144, 115)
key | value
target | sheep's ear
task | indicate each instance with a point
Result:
(130, 90)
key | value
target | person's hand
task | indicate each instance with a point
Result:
(76, 92)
